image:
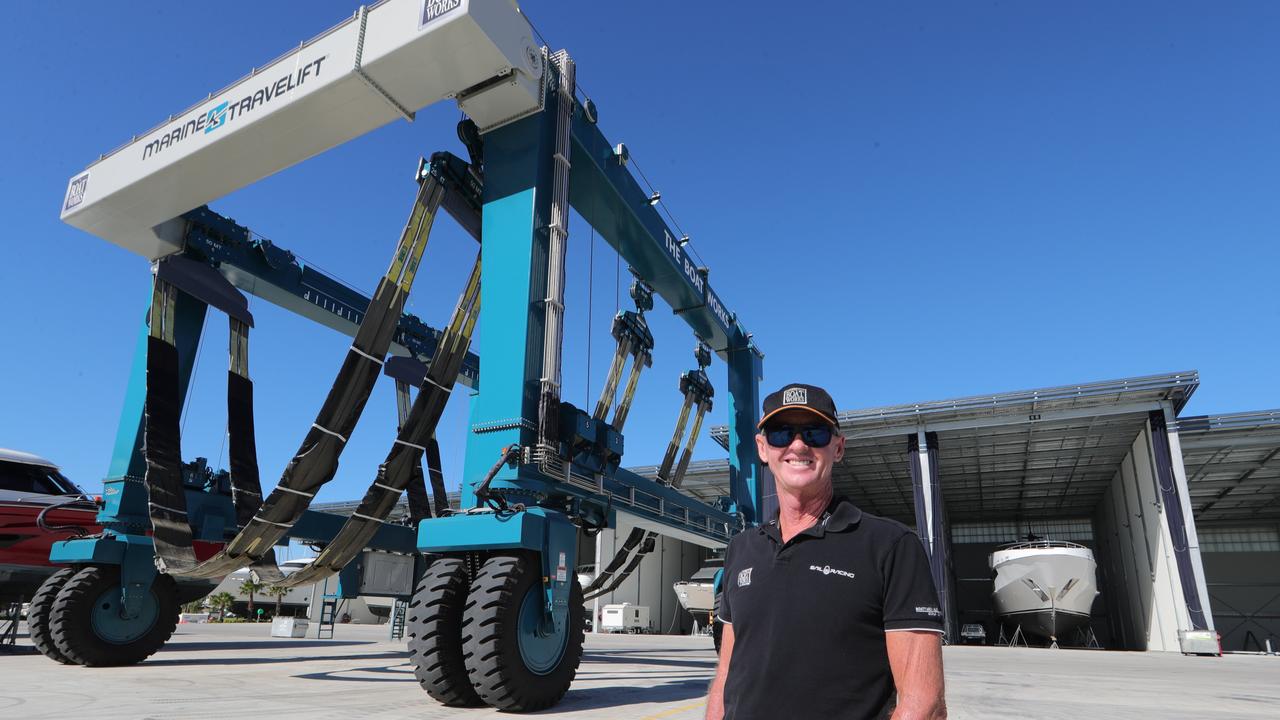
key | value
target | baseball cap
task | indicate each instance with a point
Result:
(798, 396)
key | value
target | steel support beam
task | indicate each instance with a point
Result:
(124, 495)
(513, 283)
(750, 483)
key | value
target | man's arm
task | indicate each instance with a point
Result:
(715, 695)
(915, 657)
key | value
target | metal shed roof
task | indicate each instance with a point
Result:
(1044, 453)
(1233, 465)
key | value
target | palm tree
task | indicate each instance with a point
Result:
(278, 592)
(221, 602)
(249, 587)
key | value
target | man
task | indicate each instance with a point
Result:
(828, 612)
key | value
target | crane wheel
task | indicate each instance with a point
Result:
(513, 664)
(435, 633)
(38, 614)
(86, 621)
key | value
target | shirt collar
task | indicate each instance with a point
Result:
(839, 516)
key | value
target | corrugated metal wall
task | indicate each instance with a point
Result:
(1135, 556)
(650, 585)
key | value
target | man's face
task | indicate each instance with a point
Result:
(797, 468)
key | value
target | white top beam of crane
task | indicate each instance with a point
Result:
(389, 60)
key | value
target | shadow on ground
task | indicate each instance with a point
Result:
(612, 696)
(253, 644)
(276, 660)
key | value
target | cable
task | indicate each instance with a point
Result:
(75, 529)
(580, 88)
(662, 203)
(186, 407)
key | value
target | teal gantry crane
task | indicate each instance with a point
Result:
(497, 613)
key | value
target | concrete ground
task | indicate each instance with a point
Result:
(238, 671)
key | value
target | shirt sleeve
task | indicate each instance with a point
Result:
(910, 599)
(724, 613)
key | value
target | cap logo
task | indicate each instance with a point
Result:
(795, 396)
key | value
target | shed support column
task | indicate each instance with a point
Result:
(922, 450)
(1172, 479)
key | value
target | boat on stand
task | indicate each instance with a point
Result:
(698, 595)
(1043, 588)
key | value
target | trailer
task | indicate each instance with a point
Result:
(625, 618)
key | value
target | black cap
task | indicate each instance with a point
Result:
(798, 396)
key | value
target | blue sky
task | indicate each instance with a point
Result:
(903, 201)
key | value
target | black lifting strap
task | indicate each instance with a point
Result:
(434, 469)
(650, 540)
(419, 500)
(396, 471)
(316, 461)
(697, 391)
(166, 496)
(619, 559)
(167, 504)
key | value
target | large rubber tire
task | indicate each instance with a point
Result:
(86, 626)
(510, 666)
(435, 633)
(39, 611)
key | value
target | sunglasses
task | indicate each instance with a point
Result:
(815, 436)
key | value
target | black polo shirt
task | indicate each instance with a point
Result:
(809, 616)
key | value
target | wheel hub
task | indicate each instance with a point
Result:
(540, 647)
(110, 624)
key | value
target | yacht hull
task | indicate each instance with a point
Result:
(1046, 588)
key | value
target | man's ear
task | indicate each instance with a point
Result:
(761, 449)
(839, 447)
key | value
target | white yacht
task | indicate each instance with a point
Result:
(1046, 587)
(697, 594)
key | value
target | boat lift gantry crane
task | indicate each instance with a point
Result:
(537, 470)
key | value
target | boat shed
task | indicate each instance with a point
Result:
(1097, 463)
(1182, 513)
(1233, 470)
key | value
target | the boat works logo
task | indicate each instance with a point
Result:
(795, 396)
(228, 111)
(75, 192)
(744, 578)
(828, 570)
(433, 10)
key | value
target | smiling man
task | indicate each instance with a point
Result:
(828, 612)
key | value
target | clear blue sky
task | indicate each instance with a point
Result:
(903, 201)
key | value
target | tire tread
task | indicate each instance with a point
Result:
(434, 624)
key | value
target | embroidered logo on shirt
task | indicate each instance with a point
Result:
(828, 570)
(744, 578)
(796, 396)
(930, 611)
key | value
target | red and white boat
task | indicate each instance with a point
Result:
(29, 486)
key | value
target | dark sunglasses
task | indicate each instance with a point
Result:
(815, 436)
